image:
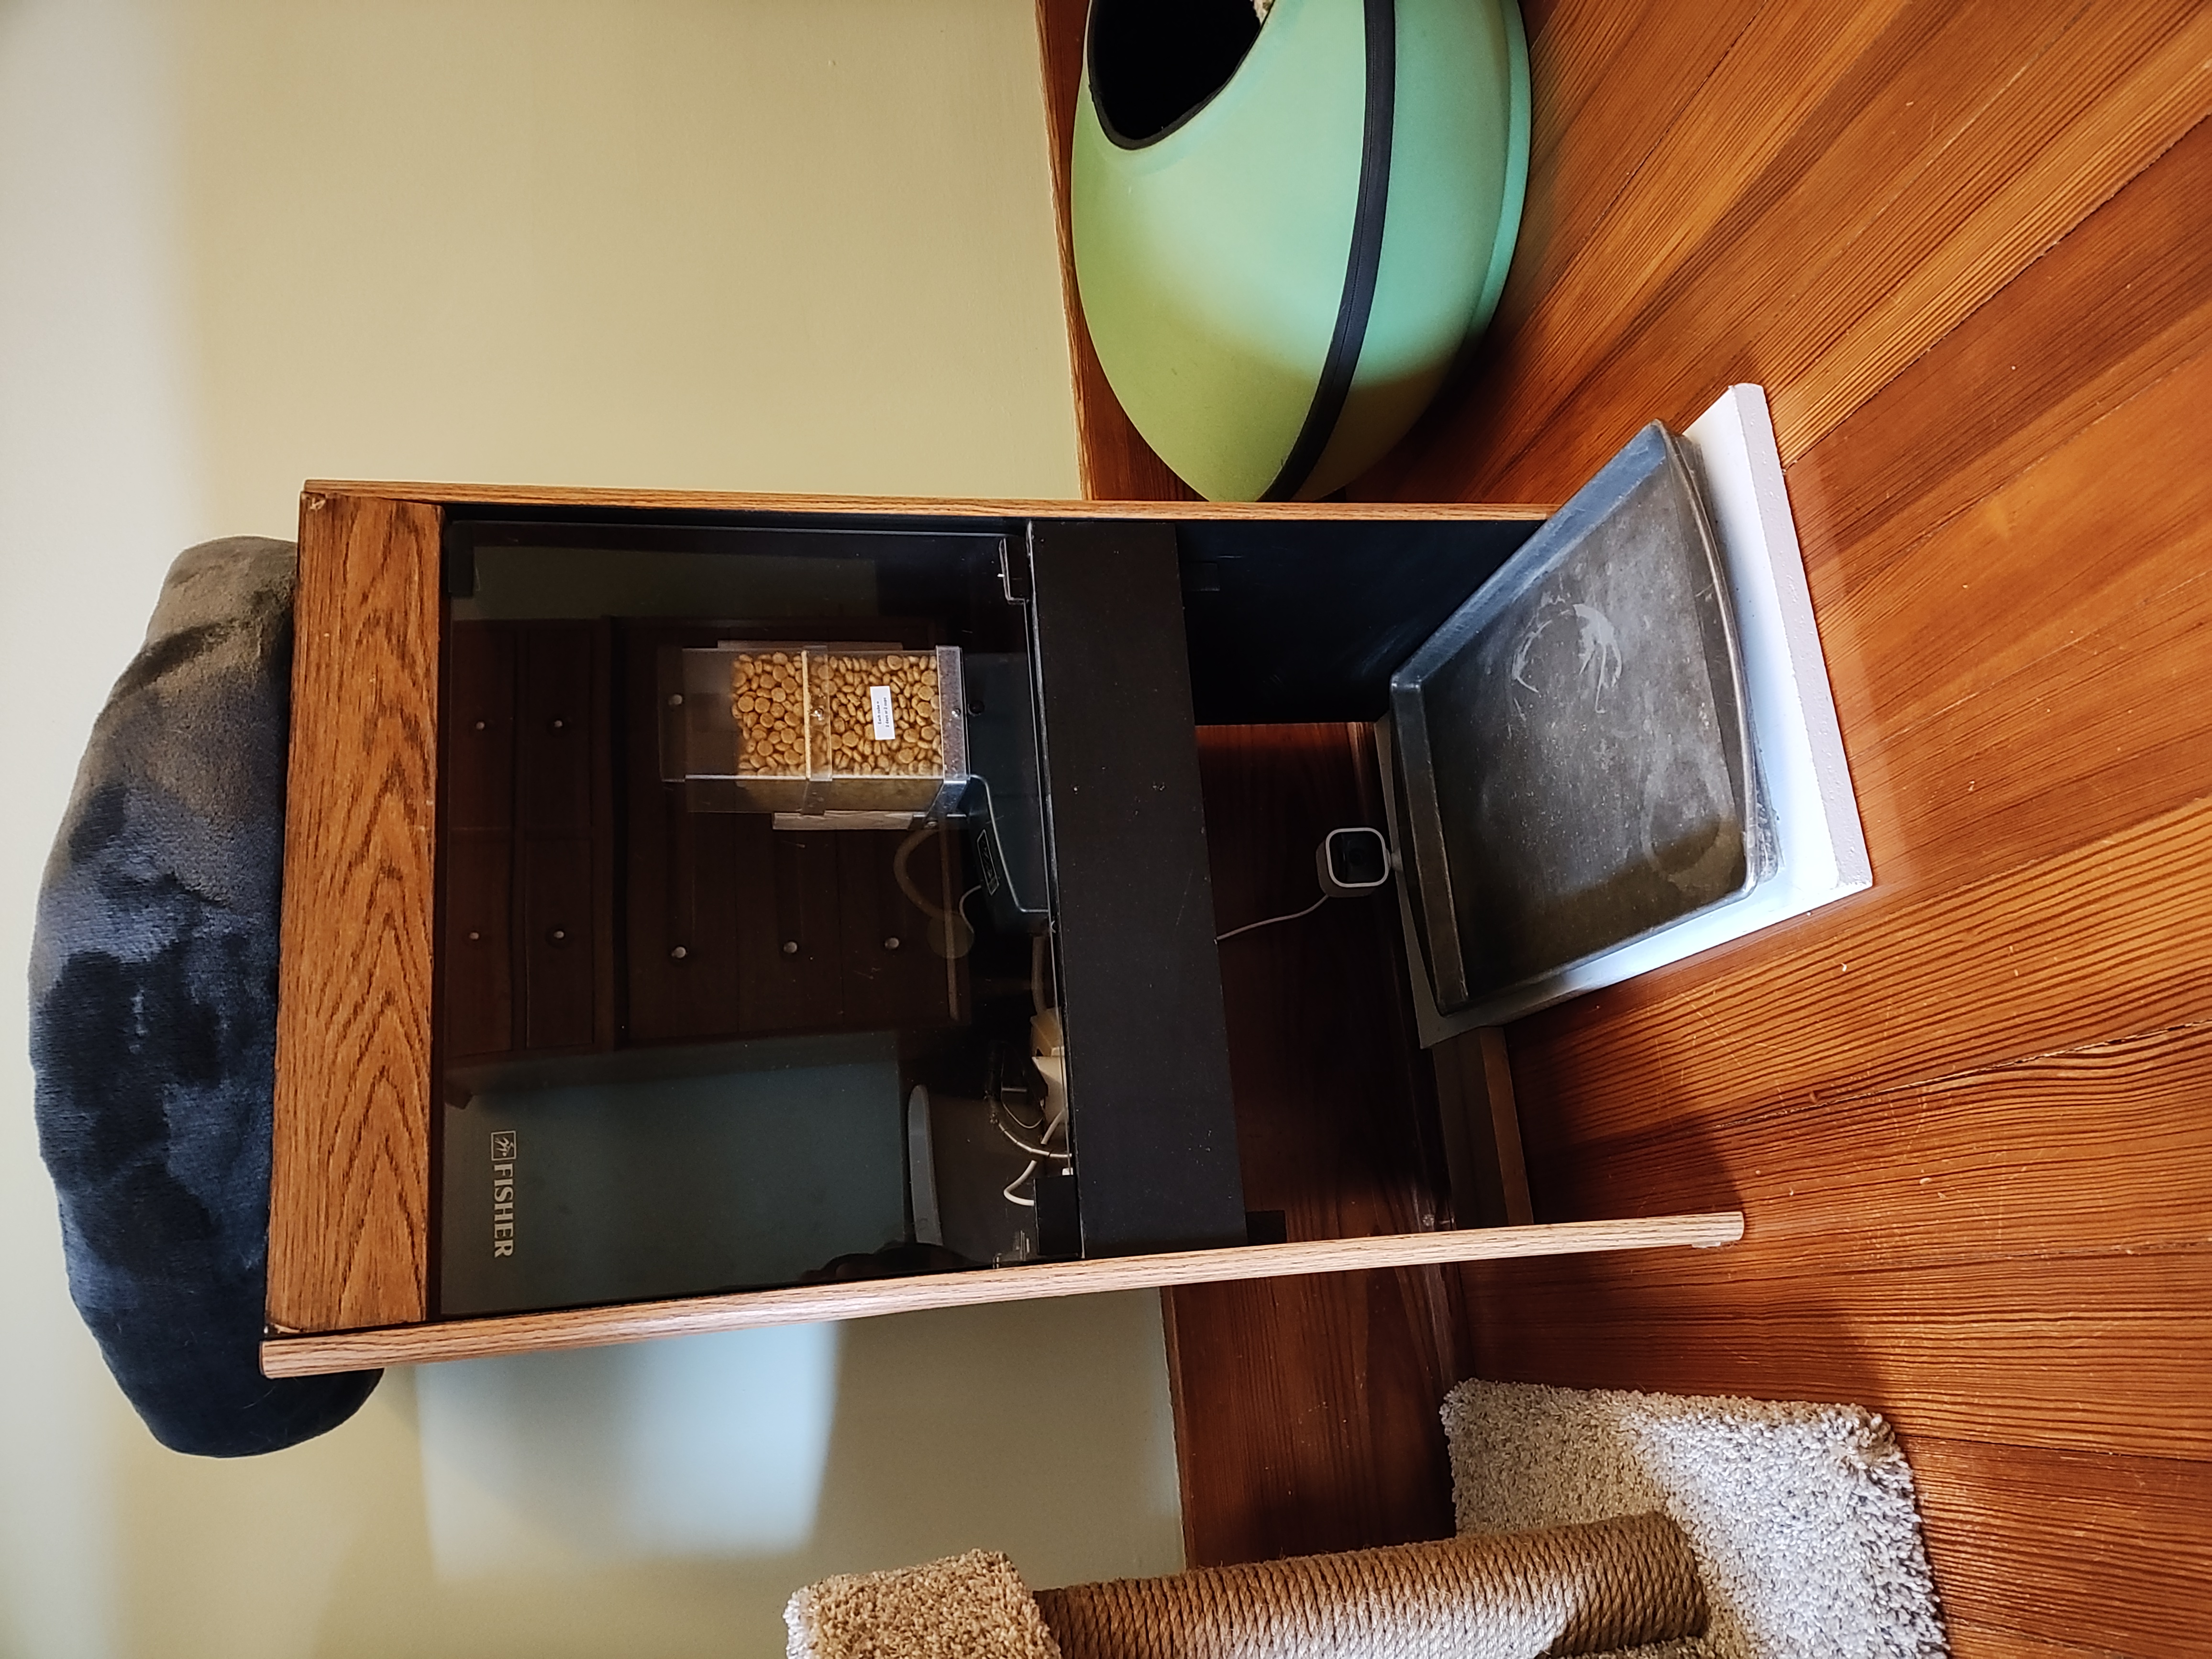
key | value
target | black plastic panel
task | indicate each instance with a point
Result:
(1155, 1132)
(1291, 623)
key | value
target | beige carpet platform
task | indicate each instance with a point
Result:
(1801, 1516)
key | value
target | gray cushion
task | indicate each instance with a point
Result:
(154, 1012)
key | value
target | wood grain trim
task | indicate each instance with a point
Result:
(704, 500)
(348, 1241)
(469, 1339)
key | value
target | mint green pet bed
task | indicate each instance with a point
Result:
(1285, 228)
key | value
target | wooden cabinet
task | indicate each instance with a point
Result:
(488, 870)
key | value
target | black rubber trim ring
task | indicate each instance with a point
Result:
(1358, 301)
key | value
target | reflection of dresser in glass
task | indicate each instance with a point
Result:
(631, 1071)
(718, 1014)
(528, 841)
(731, 927)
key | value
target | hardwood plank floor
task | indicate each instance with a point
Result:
(1964, 248)
(1968, 1636)
(2139, 1521)
(1846, 186)
(1611, 80)
(2130, 293)
(1963, 1114)
(2105, 1351)
(2071, 949)
(2104, 1147)
(2121, 85)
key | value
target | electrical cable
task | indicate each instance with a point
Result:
(1008, 1194)
(1015, 1117)
(955, 945)
(906, 883)
(1044, 1130)
(1023, 1146)
(1289, 916)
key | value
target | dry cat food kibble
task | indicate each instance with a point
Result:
(820, 728)
(878, 711)
(768, 695)
(806, 713)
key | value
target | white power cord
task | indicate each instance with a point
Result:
(959, 932)
(1048, 1055)
(1290, 915)
(1352, 881)
(1021, 1145)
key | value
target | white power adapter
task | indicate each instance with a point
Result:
(1352, 861)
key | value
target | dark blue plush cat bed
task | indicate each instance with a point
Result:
(154, 1012)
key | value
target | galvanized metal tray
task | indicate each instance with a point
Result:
(1573, 761)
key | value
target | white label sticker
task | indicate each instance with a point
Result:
(879, 699)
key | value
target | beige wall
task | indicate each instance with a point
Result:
(786, 245)
(782, 244)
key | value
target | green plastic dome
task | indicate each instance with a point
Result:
(1284, 230)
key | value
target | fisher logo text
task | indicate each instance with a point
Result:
(502, 1192)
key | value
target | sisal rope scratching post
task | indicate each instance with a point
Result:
(1573, 1589)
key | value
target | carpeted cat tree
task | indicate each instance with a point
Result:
(1588, 1522)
